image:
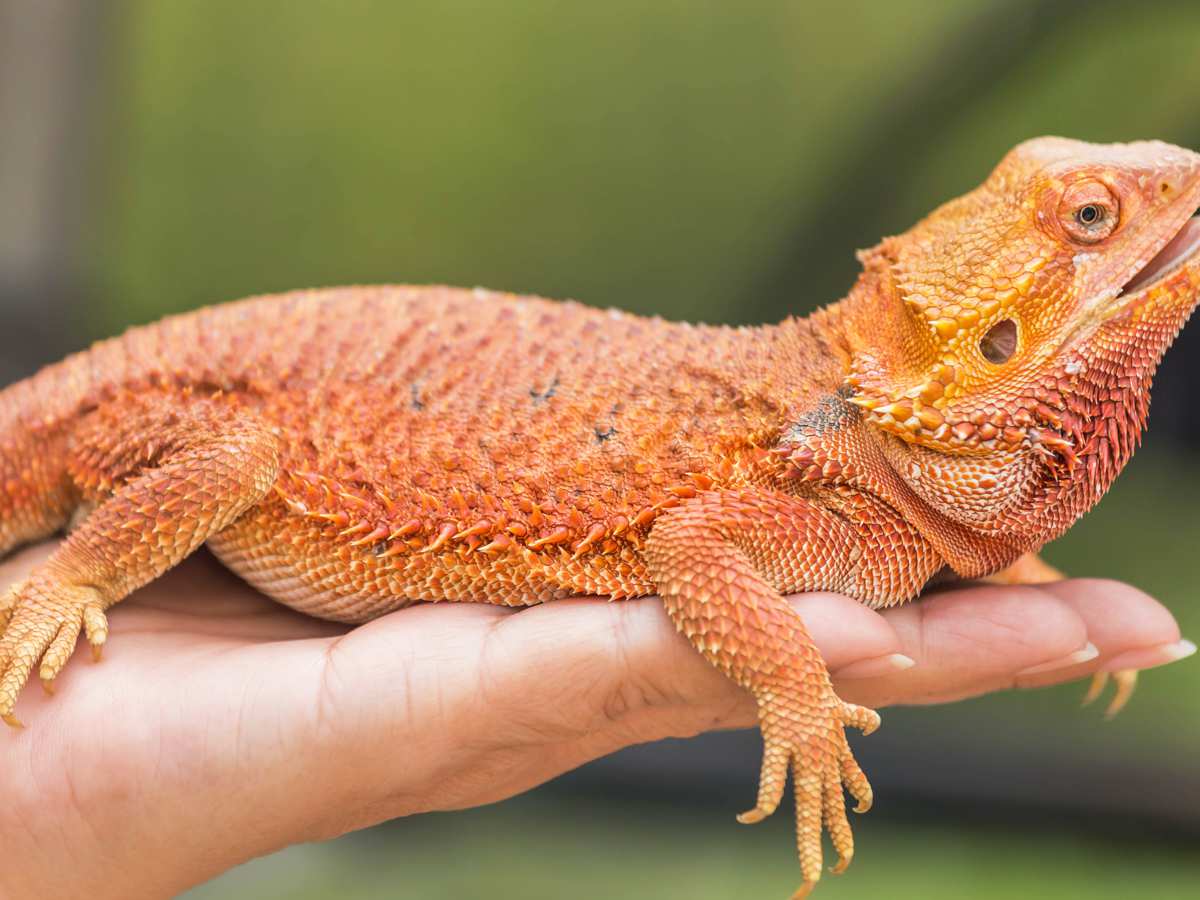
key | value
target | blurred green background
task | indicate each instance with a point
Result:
(703, 160)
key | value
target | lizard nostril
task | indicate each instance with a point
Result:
(1000, 342)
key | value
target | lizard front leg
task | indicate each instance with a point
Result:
(166, 472)
(721, 563)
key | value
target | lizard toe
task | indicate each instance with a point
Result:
(854, 779)
(1125, 681)
(44, 624)
(24, 649)
(836, 822)
(95, 626)
(860, 717)
(1095, 688)
(59, 651)
(771, 781)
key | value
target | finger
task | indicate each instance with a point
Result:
(988, 629)
(582, 677)
(974, 639)
(1149, 657)
(1075, 665)
(1130, 629)
(600, 662)
(1127, 625)
(846, 631)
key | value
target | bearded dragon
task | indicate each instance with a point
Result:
(350, 451)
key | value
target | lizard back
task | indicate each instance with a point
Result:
(441, 443)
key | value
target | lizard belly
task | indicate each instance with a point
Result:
(305, 566)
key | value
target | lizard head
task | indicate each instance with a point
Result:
(1015, 330)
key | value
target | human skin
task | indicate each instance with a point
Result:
(221, 726)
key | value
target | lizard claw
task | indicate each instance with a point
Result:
(1126, 682)
(1095, 689)
(811, 744)
(753, 816)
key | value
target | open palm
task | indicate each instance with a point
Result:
(221, 726)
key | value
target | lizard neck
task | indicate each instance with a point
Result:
(792, 367)
(834, 447)
(815, 353)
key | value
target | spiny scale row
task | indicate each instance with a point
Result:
(806, 463)
(481, 523)
(1042, 418)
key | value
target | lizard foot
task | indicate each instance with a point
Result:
(41, 620)
(1124, 679)
(812, 744)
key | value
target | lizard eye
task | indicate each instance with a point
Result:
(1000, 342)
(1088, 212)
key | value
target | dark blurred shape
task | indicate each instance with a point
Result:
(49, 59)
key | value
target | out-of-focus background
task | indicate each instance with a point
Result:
(697, 159)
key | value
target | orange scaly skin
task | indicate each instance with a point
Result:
(350, 451)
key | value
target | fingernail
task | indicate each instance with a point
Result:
(1149, 657)
(1088, 652)
(876, 666)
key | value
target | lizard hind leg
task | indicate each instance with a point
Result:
(167, 473)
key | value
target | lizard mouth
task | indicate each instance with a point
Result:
(1177, 253)
(1160, 293)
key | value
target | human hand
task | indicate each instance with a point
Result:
(221, 726)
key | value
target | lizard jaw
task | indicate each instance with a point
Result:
(1175, 254)
(1109, 371)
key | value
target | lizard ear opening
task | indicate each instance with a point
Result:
(1000, 342)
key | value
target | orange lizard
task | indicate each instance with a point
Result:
(350, 451)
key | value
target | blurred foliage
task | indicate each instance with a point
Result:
(642, 155)
(702, 160)
(660, 157)
(539, 850)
